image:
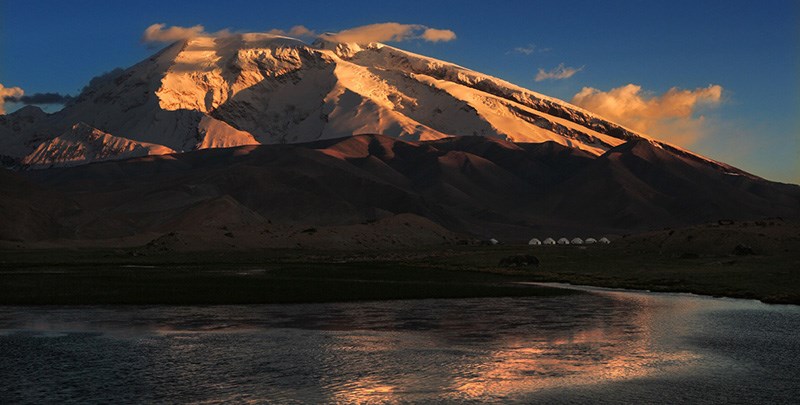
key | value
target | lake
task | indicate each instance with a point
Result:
(603, 347)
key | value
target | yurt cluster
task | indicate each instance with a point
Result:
(565, 241)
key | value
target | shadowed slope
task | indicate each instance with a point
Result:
(640, 184)
(471, 185)
(28, 212)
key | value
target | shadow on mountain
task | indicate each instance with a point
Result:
(332, 191)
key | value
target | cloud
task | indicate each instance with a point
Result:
(383, 32)
(8, 94)
(391, 32)
(528, 49)
(157, 33)
(670, 116)
(17, 95)
(40, 98)
(298, 31)
(558, 73)
(103, 78)
(434, 35)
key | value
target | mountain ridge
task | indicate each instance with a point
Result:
(258, 88)
(257, 140)
(473, 187)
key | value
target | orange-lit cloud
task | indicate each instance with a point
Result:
(558, 73)
(391, 32)
(298, 31)
(160, 33)
(8, 93)
(670, 116)
(383, 32)
(435, 35)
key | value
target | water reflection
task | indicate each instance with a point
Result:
(617, 343)
(601, 346)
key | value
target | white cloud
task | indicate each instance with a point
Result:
(391, 32)
(8, 93)
(670, 116)
(560, 72)
(527, 50)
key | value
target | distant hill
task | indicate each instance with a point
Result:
(467, 187)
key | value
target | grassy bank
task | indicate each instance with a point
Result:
(769, 278)
(702, 260)
(247, 282)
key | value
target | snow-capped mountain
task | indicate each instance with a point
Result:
(244, 89)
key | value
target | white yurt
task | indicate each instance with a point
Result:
(590, 241)
(549, 241)
(494, 241)
(604, 240)
(534, 241)
(563, 241)
(576, 241)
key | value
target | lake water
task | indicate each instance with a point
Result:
(604, 346)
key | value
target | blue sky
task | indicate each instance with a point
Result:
(750, 49)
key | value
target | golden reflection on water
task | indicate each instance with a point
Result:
(420, 351)
(625, 346)
(598, 355)
(364, 390)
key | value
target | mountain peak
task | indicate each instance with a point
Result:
(260, 88)
(30, 111)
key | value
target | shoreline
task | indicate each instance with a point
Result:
(597, 288)
(242, 284)
(701, 260)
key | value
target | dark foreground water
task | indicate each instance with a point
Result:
(606, 346)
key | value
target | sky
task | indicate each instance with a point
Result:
(717, 77)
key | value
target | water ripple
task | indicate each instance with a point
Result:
(600, 347)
